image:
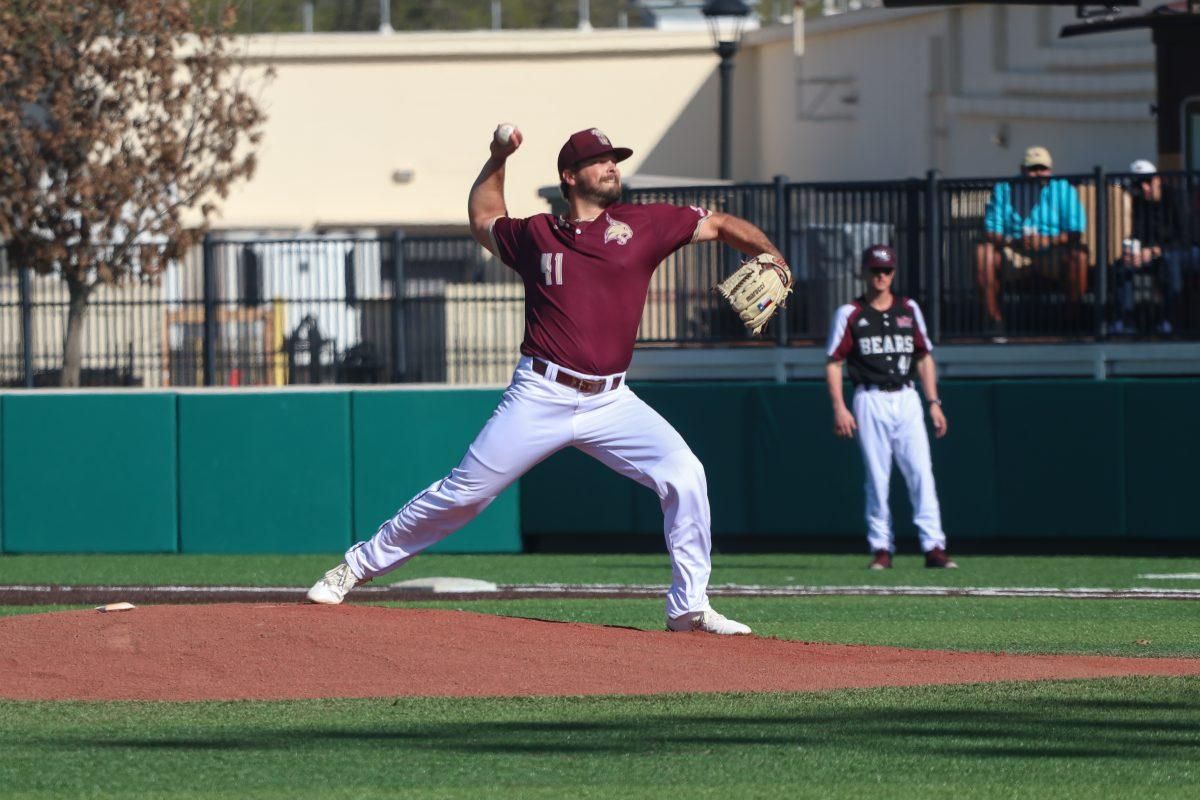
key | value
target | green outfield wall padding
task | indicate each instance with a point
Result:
(1161, 443)
(964, 465)
(264, 472)
(801, 468)
(299, 472)
(772, 464)
(406, 440)
(598, 501)
(1022, 460)
(694, 410)
(89, 473)
(1059, 459)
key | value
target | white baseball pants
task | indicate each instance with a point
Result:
(536, 418)
(892, 424)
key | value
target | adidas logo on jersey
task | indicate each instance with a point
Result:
(862, 322)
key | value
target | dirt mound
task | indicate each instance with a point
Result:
(278, 652)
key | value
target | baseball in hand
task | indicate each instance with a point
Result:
(504, 133)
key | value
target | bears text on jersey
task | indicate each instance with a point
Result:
(893, 343)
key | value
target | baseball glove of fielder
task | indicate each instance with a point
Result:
(757, 290)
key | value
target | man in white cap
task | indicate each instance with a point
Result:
(1155, 243)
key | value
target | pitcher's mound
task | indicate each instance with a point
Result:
(278, 652)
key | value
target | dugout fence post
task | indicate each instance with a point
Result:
(782, 241)
(399, 364)
(908, 219)
(1101, 295)
(210, 311)
(26, 289)
(933, 253)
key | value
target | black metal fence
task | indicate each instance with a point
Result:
(246, 310)
(1089, 286)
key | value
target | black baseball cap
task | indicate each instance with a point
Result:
(879, 256)
(588, 144)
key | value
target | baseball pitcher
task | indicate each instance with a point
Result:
(586, 274)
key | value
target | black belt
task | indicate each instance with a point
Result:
(583, 385)
(887, 387)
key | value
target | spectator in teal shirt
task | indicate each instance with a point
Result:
(1038, 221)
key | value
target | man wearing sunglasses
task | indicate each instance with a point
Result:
(883, 342)
(1037, 221)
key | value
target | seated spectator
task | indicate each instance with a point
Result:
(1035, 222)
(1157, 243)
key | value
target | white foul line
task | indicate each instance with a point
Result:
(868, 590)
(626, 590)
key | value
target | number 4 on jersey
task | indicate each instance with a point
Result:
(552, 268)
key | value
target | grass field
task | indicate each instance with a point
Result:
(1112, 738)
(1131, 737)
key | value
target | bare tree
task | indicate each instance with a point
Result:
(122, 124)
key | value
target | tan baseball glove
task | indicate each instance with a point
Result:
(757, 290)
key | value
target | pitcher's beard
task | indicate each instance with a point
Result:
(603, 195)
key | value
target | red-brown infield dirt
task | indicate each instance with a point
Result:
(285, 652)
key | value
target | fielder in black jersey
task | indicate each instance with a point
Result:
(882, 339)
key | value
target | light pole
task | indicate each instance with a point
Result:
(726, 19)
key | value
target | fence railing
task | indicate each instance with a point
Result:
(247, 310)
(1085, 288)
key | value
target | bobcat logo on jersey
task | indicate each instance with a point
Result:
(617, 231)
(603, 140)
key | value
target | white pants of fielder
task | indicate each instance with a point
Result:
(535, 418)
(892, 425)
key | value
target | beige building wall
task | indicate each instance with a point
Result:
(377, 130)
(370, 130)
(891, 93)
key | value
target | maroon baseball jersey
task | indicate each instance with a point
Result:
(880, 348)
(586, 282)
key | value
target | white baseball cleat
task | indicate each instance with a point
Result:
(332, 588)
(707, 621)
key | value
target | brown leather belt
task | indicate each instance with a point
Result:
(578, 384)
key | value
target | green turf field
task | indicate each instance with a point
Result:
(1112, 738)
(1133, 737)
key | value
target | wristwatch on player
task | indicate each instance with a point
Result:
(937, 401)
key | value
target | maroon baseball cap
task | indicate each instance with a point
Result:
(879, 256)
(588, 144)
